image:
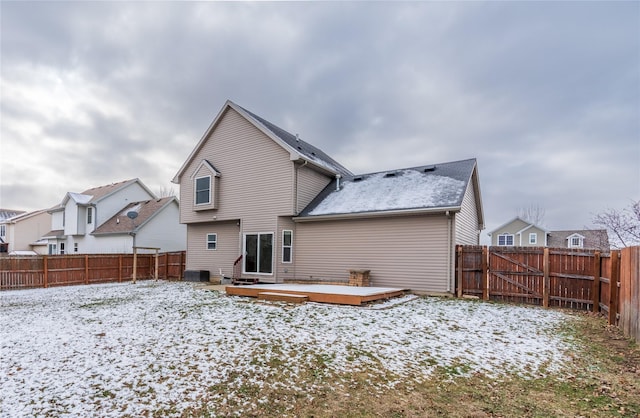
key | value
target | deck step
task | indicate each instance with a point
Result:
(283, 297)
(241, 280)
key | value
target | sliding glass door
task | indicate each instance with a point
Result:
(258, 253)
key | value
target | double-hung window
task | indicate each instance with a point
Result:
(505, 240)
(203, 190)
(533, 238)
(89, 215)
(287, 246)
(258, 253)
(212, 241)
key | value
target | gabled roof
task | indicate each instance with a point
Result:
(147, 210)
(434, 188)
(517, 218)
(298, 148)
(95, 194)
(9, 213)
(23, 216)
(597, 239)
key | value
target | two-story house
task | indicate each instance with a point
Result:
(96, 221)
(521, 233)
(259, 198)
(20, 233)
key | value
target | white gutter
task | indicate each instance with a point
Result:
(376, 214)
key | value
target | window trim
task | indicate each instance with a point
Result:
(533, 238)
(244, 252)
(75, 247)
(214, 241)
(195, 191)
(290, 246)
(89, 215)
(505, 236)
(580, 243)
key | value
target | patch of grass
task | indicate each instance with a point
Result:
(602, 379)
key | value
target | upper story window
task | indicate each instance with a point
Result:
(533, 238)
(3, 230)
(203, 190)
(89, 215)
(576, 241)
(505, 240)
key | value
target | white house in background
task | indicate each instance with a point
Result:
(22, 232)
(520, 233)
(95, 221)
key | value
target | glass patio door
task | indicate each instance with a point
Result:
(258, 253)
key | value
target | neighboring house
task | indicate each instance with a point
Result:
(95, 221)
(521, 233)
(4, 215)
(284, 210)
(22, 232)
(594, 239)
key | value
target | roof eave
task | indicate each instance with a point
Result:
(377, 214)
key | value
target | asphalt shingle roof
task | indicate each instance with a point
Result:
(309, 151)
(426, 187)
(121, 224)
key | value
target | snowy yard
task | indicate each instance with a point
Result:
(162, 348)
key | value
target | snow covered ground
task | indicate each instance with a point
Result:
(154, 348)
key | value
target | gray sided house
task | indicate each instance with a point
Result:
(520, 233)
(281, 208)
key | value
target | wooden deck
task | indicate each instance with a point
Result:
(341, 295)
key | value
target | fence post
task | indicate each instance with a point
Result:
(86, 269)
(45, 267)
(485, 273)
(546, 280)
(183, 262)
(156, 272)
(166, 266)
(596, 282)
(614, 283)
(460, 270)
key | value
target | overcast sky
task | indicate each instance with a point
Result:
(545, 95)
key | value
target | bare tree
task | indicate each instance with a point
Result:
(166, 192)
(533, 214)
(623, 225)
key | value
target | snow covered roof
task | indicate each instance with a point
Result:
(420, 188)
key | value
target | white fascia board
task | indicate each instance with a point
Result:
(378, 214)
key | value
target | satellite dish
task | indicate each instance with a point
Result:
(132, 214)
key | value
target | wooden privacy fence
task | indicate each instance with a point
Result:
(25, 272)
(555, 277)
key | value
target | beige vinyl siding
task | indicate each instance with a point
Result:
(256, 176)
(309, 183)
(466, 227)
(409, 252)
(228, 244)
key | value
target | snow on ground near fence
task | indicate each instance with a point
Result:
(117, 349)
